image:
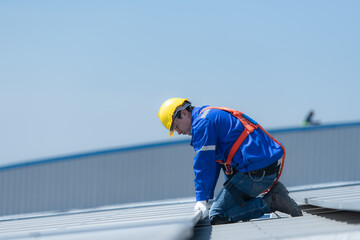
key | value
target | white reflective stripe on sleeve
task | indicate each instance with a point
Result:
(207, 148)
(205, 113)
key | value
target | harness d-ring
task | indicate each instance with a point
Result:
(258, 180)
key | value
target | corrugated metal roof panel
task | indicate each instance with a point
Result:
(345, 197)
(175, 219)
(158, 221)
(317, 222)
(279, 228)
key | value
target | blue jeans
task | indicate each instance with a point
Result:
(241, 202)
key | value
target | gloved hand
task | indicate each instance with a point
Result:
(202, 206)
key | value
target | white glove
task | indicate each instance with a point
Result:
(202, 206)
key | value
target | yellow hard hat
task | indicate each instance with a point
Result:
(167, 110)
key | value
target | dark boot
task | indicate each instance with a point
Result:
(278, 199)
(215, 220)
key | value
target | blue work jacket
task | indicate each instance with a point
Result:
(213, 134)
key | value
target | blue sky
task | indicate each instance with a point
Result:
(78, 76)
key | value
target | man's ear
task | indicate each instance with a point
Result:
(185, 113)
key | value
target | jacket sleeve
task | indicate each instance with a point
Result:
(206, 168)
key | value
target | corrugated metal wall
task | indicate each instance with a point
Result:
(164, 170)
(321, 154)
(141, 174)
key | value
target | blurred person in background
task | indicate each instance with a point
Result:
(309, 121)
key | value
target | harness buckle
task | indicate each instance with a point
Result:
(228, 169)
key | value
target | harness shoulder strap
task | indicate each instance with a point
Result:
(249, 128)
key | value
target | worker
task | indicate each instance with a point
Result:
(251, 159)
(309, 121)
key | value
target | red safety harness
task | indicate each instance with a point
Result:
(249, 128)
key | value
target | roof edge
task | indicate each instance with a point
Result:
(161, 144)
(93, 153)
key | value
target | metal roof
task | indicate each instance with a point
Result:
(317, 222)
(159, 220)
(344, 197)
(175, 219)
(307, 227)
